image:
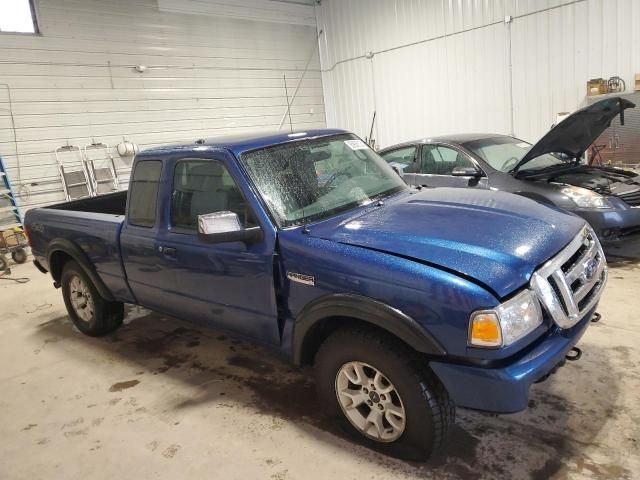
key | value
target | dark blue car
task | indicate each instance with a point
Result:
(406, 302)
(550, 172)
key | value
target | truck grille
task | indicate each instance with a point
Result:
(571, 283)
(631, 198)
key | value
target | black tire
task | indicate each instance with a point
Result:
(4, 263)
(105, 316)
(429, 411)
(19, 255)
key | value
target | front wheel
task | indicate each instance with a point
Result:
(373, 385)
(4, 264)
(90, 313)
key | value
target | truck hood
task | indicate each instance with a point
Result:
(493, 238)
(573, 135)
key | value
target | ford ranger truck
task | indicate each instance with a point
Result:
(407, 302)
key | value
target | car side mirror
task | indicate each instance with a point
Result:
(466, 172)
(225, 226)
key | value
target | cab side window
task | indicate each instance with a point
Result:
(441, 160)
(205, 186)
(143, 197)
(403, 156)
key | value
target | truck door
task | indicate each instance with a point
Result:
(224, 285)
(138, 235)
(436, 166)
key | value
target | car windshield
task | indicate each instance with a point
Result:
(504, 153)
(313, 179)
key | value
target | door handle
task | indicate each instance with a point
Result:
(167, 251)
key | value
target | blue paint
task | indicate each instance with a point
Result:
(506, 389)
(436, 255)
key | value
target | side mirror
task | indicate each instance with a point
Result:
(466, 172)
(225, 226)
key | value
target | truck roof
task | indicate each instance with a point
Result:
(241, 143)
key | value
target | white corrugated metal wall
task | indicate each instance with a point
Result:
(213, 68)
(432, 67)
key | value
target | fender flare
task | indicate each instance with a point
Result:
(367, 310)
(81, 258)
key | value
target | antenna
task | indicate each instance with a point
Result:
(372, 142)
(286, 92)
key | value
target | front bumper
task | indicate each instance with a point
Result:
(506, 389)
(614, 225)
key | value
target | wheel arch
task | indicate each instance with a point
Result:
(60, 251)
(325, 315)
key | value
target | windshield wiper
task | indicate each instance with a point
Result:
(386, 193)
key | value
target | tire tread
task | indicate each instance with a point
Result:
(436, 398)
(108, 315)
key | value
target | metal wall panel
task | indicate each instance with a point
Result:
(207, 75)
(295, 12)
(443, 66)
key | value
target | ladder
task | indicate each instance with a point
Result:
(9, 212)
(101, 169)
(73, 173)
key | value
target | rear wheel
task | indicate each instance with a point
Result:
(382, 395)
(19, 255)
(4, 264)
(90, 313)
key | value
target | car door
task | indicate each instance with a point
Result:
(404, 161)
(436, 165)
(229, 285)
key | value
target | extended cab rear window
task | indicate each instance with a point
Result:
(143, 197)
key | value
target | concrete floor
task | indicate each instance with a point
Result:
(162, 399)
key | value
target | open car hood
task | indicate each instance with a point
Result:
(573, 135)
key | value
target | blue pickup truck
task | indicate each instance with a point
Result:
(407, 301)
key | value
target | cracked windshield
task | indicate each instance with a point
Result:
(314, 179)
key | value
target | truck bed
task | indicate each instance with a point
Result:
(93, 225)
(113, 204)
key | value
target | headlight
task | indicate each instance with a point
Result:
(507, 323)
(586, 198)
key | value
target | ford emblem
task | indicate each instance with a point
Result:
(590, 268)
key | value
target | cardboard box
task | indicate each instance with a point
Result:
(596, 86)
(637, 89)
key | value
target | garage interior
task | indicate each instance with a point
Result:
(92, 83)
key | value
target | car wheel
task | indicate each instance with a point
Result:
(90, 313)
(382, 394)
(19, 255)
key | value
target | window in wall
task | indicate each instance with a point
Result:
(143, 195)
(17, 16)
(205, 186)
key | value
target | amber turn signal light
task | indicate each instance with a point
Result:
(485, 330)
